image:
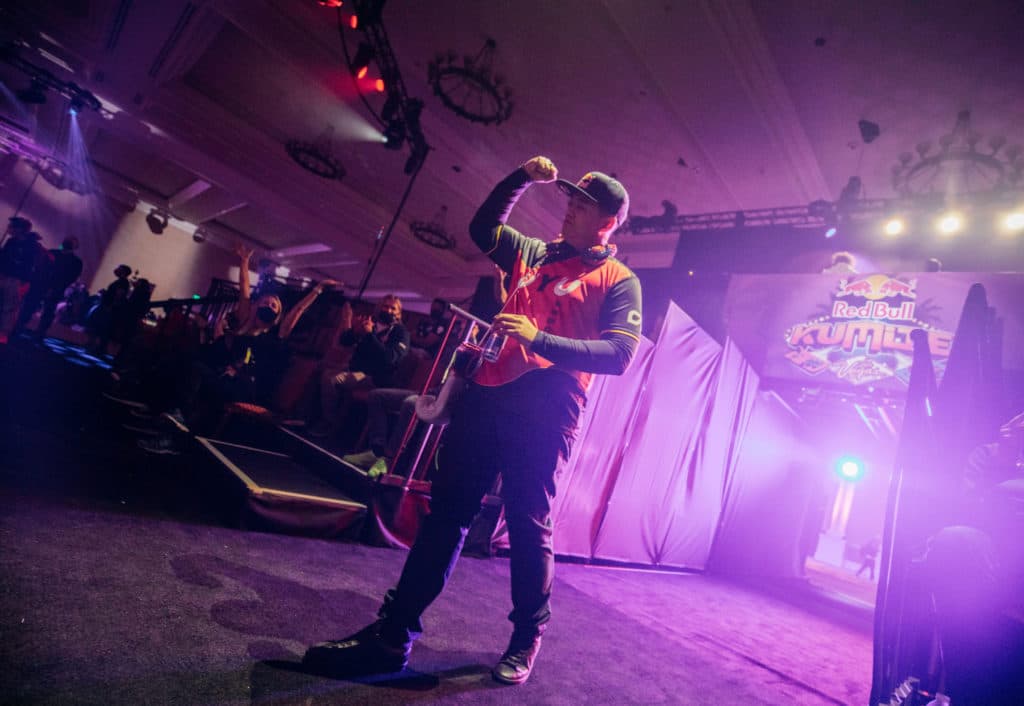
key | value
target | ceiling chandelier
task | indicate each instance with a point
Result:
(471, 89)
(318, 156)
(433, 233)
(961, 163)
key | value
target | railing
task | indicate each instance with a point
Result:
(415, 458)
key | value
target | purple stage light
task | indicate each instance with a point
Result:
(850, 469)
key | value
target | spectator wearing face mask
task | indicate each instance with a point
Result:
(380, 343)
(241, 365)
(261, 338)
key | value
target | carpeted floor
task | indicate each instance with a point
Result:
(120, 585)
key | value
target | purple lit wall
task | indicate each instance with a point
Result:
(109, 233)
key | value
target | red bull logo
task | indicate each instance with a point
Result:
(894, 287)
(878, 287)
(860, 288)
(873, 310)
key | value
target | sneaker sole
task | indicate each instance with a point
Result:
(511, 682)
(327, 666)
(360, 466)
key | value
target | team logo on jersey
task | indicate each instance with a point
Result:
(564, 286)
(633, 318)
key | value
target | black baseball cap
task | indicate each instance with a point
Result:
(606, 192)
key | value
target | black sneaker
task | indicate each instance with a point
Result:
(366, 652)
(515, 665)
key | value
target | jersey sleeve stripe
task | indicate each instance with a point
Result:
(622, 331)
(497, 237)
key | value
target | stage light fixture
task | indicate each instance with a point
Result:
(850, 469)
(1014, 222)
(894, 226)
(361, 61)
(394, 134)
(157, 221)
(831, 232)
(950, 223)
(76, 105)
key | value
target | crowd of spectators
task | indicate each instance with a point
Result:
(187, 372)
(34, 280)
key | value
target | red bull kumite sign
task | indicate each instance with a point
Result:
(855, 330)
(865, 336)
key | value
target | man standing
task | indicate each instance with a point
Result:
(20, 258)
(574, 310)
(48, 285)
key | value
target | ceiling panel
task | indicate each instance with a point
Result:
(713, 105)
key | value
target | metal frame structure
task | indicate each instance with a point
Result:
(817, 214)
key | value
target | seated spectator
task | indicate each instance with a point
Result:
(382, 437)
(259, 346)
(384, 404)
(429, 333)
(242, 365)
(380, 342)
